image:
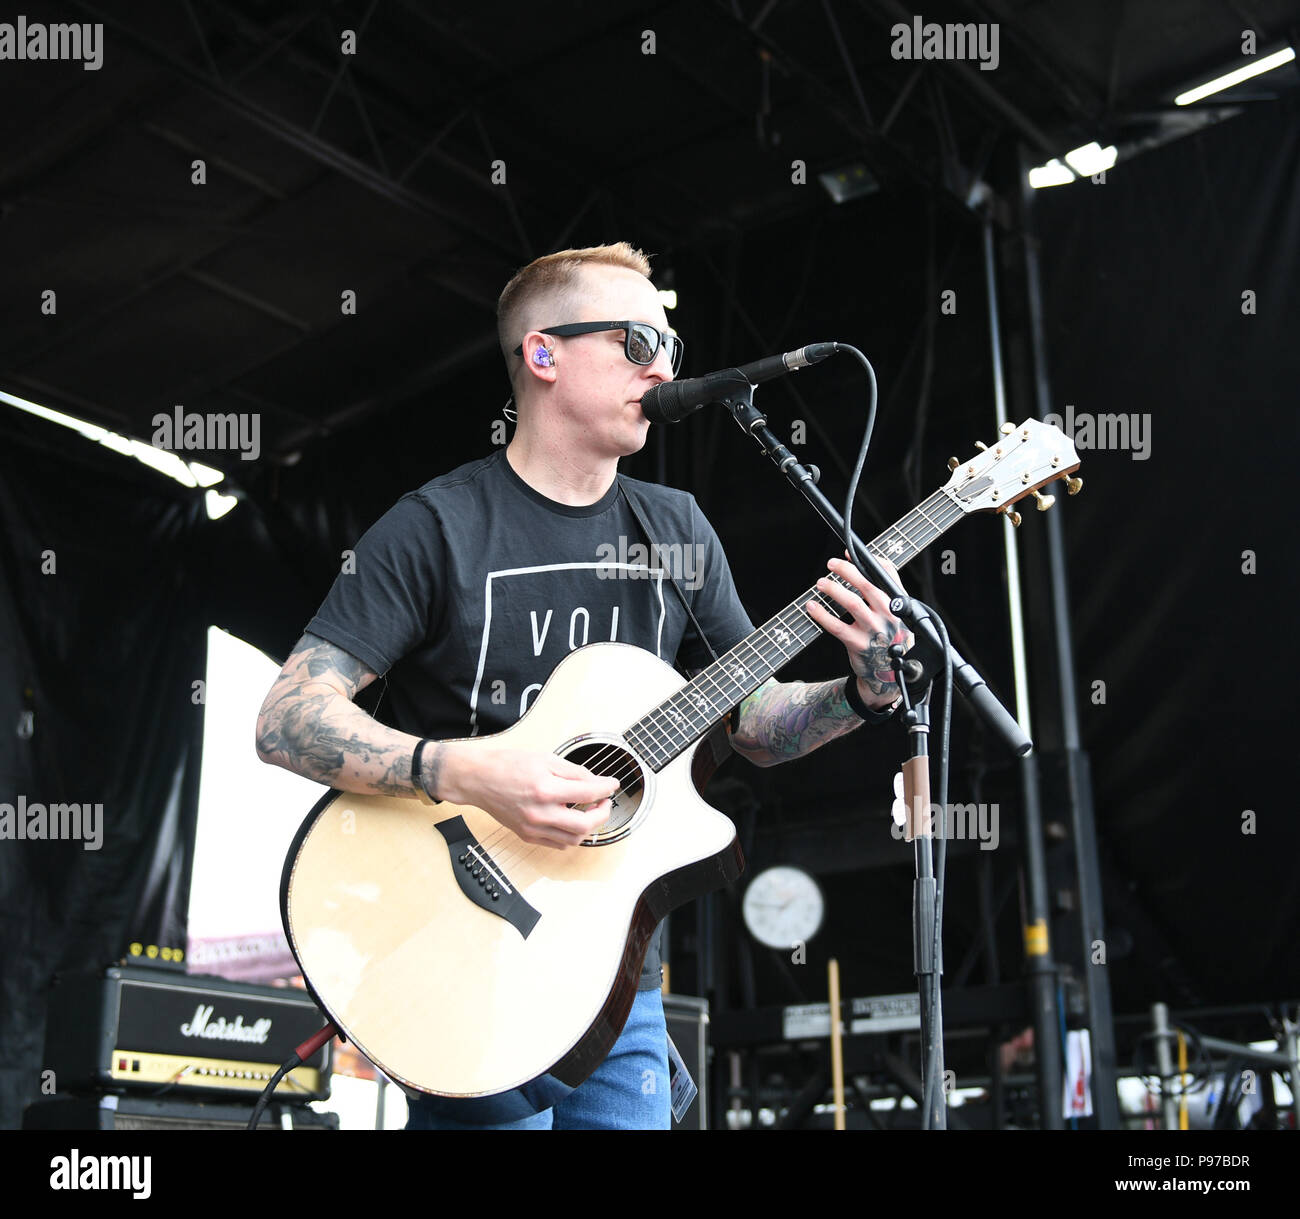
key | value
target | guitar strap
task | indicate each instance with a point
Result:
(654, 562)
(730, 721)
(682, 1087)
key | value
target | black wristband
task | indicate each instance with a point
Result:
(854, 699)
(417, 776)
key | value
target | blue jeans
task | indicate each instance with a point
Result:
(628, 1091)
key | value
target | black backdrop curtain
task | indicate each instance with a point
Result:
(1144, 279)
(102, 647)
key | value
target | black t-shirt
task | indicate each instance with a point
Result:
(469, 591)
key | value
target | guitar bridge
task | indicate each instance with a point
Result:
(482, 880)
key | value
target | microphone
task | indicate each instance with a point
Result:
(673, 400)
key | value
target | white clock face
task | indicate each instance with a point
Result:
(783, 907)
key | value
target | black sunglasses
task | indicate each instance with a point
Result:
(641, 341)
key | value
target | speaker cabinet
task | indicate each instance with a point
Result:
(141, 1113)
(688, 1025)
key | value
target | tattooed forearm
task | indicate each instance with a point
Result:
(309, 725)
(784, 720)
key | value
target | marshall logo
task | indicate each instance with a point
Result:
(219, 1030)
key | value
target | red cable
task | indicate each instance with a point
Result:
(314, 1042)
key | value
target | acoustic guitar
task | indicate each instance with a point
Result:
(473, 967)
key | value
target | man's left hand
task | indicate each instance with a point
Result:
(870, 634)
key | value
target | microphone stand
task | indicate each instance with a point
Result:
(739, 400)
(927, 951)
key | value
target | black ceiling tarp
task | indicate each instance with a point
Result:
(226, 298)
(373, 172)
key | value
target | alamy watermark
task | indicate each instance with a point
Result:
(680, 561)
(930, 40)
(128, 1173)
(961, 823)
(1110, 432)
(180, 431)
(26, 822)
(36, 40)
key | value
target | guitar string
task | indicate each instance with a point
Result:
(952, 511)
(645, 727)
(918, 519)
(638, 742)
(922, 524)
(648, 748)
(640, 736)
(675, 717)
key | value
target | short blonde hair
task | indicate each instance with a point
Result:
(554, 282)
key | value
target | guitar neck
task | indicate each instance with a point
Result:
(693, 710)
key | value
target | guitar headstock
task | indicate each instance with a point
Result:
(1025, 457)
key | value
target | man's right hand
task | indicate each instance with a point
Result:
(532, 794)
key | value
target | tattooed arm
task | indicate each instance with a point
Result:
(781, 721)
(309, 725)
(785, 720)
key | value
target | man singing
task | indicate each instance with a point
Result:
(471, 589)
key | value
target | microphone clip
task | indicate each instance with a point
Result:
(925, 659)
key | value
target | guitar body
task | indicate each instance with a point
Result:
(501, 1005)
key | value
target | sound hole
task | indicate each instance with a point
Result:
(607, 758)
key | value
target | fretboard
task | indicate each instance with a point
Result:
(692, 711)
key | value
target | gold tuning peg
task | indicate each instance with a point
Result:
(1073, 485)
(1044, 501)
(979, 444)
(1014, 517)
(953, 463)
(1007, 428)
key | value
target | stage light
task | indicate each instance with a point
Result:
(1267, 64)
(1054, 173)
(1085, 162)
(217, 504)
(189, 474)
(1091, 159)
(668, 298)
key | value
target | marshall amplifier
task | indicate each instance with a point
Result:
(138, 1029)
